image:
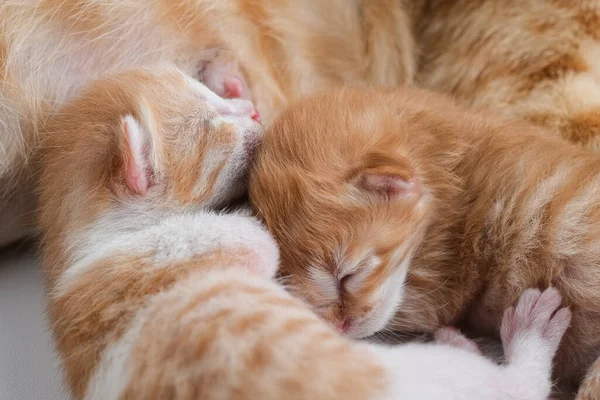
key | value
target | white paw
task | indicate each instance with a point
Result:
(245, 242)
(263, 260)
(453, 337)
(534, 325)
(263, 251)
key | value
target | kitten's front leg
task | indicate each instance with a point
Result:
(453, 337)
(531, 333)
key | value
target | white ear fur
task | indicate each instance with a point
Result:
(136, 157)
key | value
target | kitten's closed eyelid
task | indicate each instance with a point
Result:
(344, 280)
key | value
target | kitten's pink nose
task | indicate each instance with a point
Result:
(255, 115)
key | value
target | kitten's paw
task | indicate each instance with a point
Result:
(453, 337)
(262, 260)
(261, 253)
(534, 325)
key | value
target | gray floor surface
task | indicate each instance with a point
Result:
(28, 365)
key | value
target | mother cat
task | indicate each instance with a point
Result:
(50, 48)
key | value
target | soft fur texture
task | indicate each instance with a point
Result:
(155, 295)
(396, 210)
(537, 60)
(49, 49)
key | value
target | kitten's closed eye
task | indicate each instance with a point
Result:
(177, 142)
(359, 201)
(344, 281)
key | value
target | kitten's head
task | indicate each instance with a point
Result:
(171, 141)
(337, 185)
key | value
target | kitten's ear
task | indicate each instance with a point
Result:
(391, 176)
(137, 151)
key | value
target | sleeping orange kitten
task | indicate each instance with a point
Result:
(156, 295)
(50, 49)
(396, 210)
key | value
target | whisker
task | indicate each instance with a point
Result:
(399, 321)
(432, 290)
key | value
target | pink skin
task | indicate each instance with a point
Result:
(233, 88)
(392, 186)
(453, 337)
(255, 115)
(220, 72)
(226, 82)
(135, 177)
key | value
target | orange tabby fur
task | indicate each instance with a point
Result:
(493, 208)
(183, 321)
(537, 60)
(49, 49)
(155, 294)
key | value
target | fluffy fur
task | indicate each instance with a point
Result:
(537, 60)
(49, 49)
(396, 210)
(155, 295)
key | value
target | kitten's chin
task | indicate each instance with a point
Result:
(358, 336)
(377, 321)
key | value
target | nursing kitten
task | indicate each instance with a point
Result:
(537, 60)
(154, 295)
(396, 210)
(50, 49)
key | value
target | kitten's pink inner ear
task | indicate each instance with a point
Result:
(390, 185)
(136, 175)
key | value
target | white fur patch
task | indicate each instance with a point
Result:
(168, 238)
(432, 371)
